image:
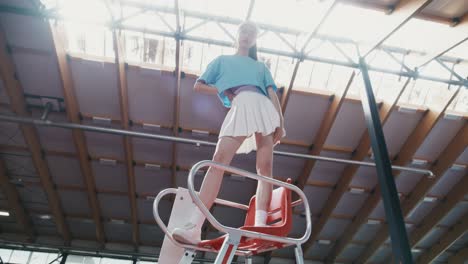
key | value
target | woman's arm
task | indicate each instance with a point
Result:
(200, 86)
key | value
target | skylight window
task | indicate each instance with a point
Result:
(209, 29)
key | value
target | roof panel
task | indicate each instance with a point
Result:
(365, 177)
(460, 243)
(329, 171)
(145, 210)
(351, 251)
(4, 99)
(300, 127)
(20, 166)
(348, 127)
(26, 31)
(446, 183)
(65, 170)
(431, 238)
(152, 181)
(367, 232)
(151, 234)
(334, 228)
(114, 206)
(380, 255)
(463, 158)
(104, 145)
(378, 212)
(318, 251)
(110, 177)
(199, 110)
(151, 150)
(398, 128)
(455, 214)
(38, 74)
(74, 202)
(446, 8)
(439, 137)
(32, 194)
(148, 93)
(350, 204)
(96, 87)
(288, 167)
(189, 154)
(406, 181)
(46, 231)
(421, 211)
(229, 216)
(10, 134)
(299, 226)
(317, 197)
(118, 232)
(82, 228)
(54, 138)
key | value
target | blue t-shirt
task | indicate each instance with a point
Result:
(228, 71)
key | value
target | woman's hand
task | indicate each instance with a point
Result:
(230, 94)
(278, 134)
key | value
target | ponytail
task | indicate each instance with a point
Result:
(253, 52)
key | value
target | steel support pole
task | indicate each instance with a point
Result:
(399, 239)
(64, 258)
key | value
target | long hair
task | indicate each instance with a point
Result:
(253, 52)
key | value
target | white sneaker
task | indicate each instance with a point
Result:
(188, 234)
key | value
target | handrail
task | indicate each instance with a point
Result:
(114, 131)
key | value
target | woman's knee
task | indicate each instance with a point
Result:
(264, 166)
(221, 156)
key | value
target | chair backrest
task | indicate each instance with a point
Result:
(279, 211)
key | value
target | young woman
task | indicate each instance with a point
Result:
(254, 122)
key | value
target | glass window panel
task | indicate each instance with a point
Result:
(115, 261)
(460, 104)
(270, 40)
(5, 254)
(92, 40)
(39, 258)
(422, 35)
(461, 51)
(362, 25)
(300, 15)
(214, 31)
(84, 10)
(390, 87)
(149, 20)
(303, 76)
(20, 256)
(339, 78)
(198, 55)
(234, 9)
(320, 75)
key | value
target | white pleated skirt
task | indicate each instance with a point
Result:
(251, 112)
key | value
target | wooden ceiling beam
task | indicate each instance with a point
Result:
(18, 103)
(79, 139)
(118, 41)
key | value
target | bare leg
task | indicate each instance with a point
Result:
(225, 151)
(264, 168)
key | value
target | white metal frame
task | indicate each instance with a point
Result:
(233, 234)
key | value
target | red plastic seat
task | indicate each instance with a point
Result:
(279, 223)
